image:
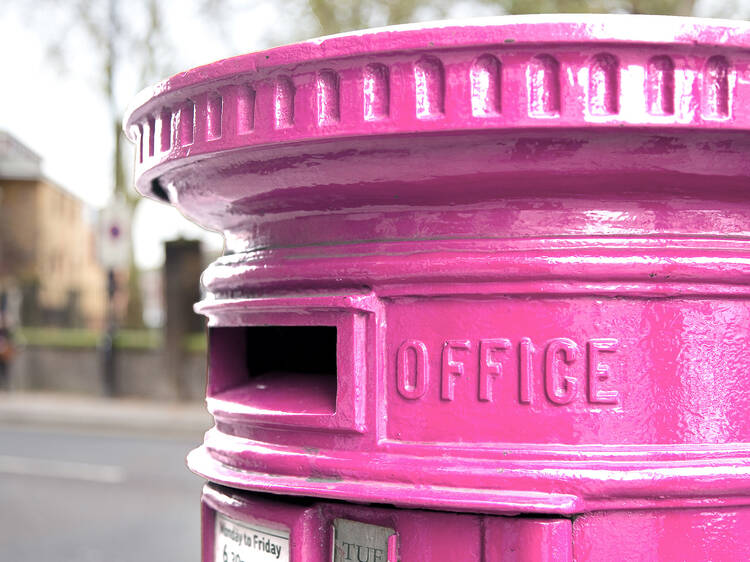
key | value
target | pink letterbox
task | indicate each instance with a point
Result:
(473, 270)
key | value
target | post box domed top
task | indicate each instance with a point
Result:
(508, 261)
(553, 73)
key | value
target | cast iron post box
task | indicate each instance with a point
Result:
(473, 271)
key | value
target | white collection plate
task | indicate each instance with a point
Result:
(237, 541)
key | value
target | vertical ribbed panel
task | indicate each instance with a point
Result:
(604, 85)
(660, 86)
(151, 125)
(485, 86)
(543, 84)
(186, 124)
(245, 109)
(283, 103)
(429, 82)
(140, 143)
(327, 97)
(716, 88)
(214, 107)
(376, 92)
(165, 132)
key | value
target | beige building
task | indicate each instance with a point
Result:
(47, 244)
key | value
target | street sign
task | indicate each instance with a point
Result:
(114, 234)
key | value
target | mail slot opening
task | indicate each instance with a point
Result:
(280, 369)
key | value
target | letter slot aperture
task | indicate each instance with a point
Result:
(275, 368)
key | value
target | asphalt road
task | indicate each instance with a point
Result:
(83, 496)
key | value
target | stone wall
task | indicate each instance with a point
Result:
(140, 373)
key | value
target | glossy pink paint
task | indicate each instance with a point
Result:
(421, 535)
(531, 237)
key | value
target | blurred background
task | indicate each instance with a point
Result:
(102, 361)
(69, 275)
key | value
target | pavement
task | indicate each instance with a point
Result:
(33, 409)
(74, 494)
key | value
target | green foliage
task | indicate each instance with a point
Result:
(138, 339)
(551, 6)
(664, 7)
(195, 343)
(335, 16)
(126, 339)
(75, 338)
(57, 337)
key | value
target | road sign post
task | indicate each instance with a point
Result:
(114, 254)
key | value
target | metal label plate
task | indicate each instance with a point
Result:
(237, 541)
(362, 542)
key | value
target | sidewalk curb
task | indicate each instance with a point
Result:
(81, 412)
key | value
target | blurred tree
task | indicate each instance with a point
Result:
(125, 40)
(335, 16)
(671, 7)
(665, 7)
(128, 42)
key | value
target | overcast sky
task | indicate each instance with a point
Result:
(62, 117)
